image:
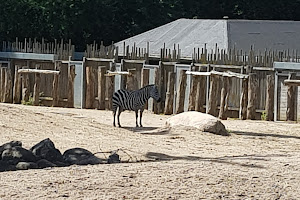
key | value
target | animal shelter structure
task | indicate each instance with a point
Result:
(227, 33)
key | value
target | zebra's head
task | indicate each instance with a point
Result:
(154, 93)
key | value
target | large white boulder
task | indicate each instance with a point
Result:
(203, 122)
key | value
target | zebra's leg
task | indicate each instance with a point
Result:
(114, 114)
(136, 117)
(119, 113)
(141, 115)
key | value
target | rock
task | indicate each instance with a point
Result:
(46, 150)
(26, 165)
(203, 122)
(43, 163)
(80, 156)
(5, 166)
(9, 145)
(16, 154)
(113, 158)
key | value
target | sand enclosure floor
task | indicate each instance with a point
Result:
(260, 160)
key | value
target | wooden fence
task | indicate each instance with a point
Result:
(223, 83)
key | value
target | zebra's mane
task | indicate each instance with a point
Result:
(147, 86)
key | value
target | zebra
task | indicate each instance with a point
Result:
(133, 100)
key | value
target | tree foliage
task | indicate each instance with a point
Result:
(113, 20)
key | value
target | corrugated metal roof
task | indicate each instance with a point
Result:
(187, 33)
(195, 33)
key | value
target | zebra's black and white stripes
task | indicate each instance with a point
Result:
(133, 100)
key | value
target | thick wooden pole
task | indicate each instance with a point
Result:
(270, 98)
(2, 83)
(212, 102)
(8, 86)
(110, 84)
(145, 81)
(252, 96)
(55, 94)
(101, 87)
(201, 94)
(156, 105)
(181, 92)
(170, 93)
(224, 94)
(193, 91)
(55, 86)
(291, 97)
(36, 90)
(17, 86)
(25, 86)
(145, 77)
(90, 89)
(244, 99)
(71, 78)
(132, 82)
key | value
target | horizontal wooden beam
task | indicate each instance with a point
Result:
(134, 61)
(38, 71)
(291, 82)
(217, 66)
(227, 74)
(110, 73)
(100, 59)
(28, 56)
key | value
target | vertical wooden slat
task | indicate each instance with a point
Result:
(252, 96)
(90, 95)
(36, 90)
(291, 99)
(224, 92)
(101, 87)
(212, 102)
(71, 78)
(109, 91)
(270, 98)
(17, 86)
(145, 81)
(170, 94)
(193, 90)
(181, 92)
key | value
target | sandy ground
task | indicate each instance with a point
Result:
(260, 160)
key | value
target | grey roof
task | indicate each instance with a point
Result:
(194, 33)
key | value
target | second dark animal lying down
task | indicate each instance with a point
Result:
(133, 100)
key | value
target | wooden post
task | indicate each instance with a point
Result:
(145, 81)
(212, 102)
(193, 91)
(170, 93)
(90, 89)
(270, 98)
(101, 87)
(181, 92)
(252, 89)
(156, 105)
(2, 84)
(8, 86)
(110, 84)
(224, 94)
(25, 86)
(55, 93)
(244, 99)
(36, 90)
(201, 94)
(132, 83)
(291, 96)
(17, 86)
(71, 78)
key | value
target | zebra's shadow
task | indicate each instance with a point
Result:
(148, 130)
